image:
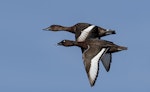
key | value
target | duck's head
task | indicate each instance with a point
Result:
(66, 43)
(53, 28)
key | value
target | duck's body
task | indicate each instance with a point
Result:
(94, 51)
(85, 31)
(82, 31)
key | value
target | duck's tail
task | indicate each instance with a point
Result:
(109, 31)
(120, 48)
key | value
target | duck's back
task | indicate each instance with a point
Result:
(80, 27)
(99, 42)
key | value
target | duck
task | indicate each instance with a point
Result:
(82, 31)
(94, 51)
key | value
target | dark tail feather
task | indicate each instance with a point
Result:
(108, 32)
(120, 48)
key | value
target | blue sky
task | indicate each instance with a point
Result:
(30, 60)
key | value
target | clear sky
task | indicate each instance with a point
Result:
(30, 60)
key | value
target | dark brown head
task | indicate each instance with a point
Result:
(66, 43)
(54, 28)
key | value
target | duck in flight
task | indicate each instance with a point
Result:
(84, 31)
(95, 50)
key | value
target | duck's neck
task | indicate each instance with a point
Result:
(81, 44)
(69, 29)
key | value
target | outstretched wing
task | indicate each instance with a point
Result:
(91, 58)
(106, 60)
(85, 33)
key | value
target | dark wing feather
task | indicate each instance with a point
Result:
(106, 60)
(91, 58)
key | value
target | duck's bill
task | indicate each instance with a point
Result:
(46, 29)
(60, 43)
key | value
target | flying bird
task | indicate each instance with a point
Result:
(94, 50)
(84, 31)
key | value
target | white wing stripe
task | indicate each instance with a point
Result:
(94, 65)
(85, 33)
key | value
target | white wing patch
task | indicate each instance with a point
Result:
(94, 65)
(85, 33)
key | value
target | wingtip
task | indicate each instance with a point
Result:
(108, 69)
(92, 84)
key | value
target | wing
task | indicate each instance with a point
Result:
(106, 60)
(85, 33)
(91, 58)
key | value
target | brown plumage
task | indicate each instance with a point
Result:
(94, 50)
(77, 29)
